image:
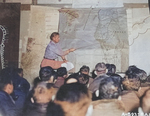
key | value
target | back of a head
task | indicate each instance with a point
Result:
(54, 110)
(61, 71)
(134, 72)
(43, 92)
(19, 71)
(111, 69)
(5, 78)
(73, 78)
(84, 69)
(117, 78)
(74, 99)
(109, 88)
(100, 68)
(45, 73)
(84, 78)
(72, 92)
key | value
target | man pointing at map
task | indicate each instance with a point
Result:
(53, 51)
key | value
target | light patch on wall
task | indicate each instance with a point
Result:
(97, 3)
(135, 1)
(54, 1)
(19, 1)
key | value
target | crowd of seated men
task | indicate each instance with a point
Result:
(57, 93)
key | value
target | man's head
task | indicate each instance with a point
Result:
(134, 72)
(55, 37)
(145, 101)
(133, 78)
(6, 81)
(74, 99)
(131, 84)
(62, 72)
(84, 69)
(100, 69)
(46, 73)
(84, 79)
(111, 69)
(19, 72)
(73, 78)
(43, 92)
(109, 88)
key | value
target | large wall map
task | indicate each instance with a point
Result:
(99, 35)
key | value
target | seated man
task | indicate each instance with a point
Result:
(84, 79)
(100, 70)
(131, 87)
(47, 74)
(109, 88)
(74, 99)
(7, 104)
(61, 76)
(21, 88)
(108, 101)
(41, 95)
(86, 70)
(73, 78)
(134, 72)
(19, 72)
(53, 50)
(111, 69)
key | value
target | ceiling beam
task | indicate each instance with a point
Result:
(25, 6)
(136, 5)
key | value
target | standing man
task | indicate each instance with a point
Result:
(53, 51)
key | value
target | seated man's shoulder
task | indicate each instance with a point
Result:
(114, 106)
(130, 100)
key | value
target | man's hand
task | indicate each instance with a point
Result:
(71, 49)
(64, 60)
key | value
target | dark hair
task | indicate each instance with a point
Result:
(5, 77)
(117, 78)
(100, 66)
(111, 69)
(134, 72)
(53, 35)
(54, 110)
(19, 70)
(71, 92)
(93, 74)
(61, 71)
(84, 68)
(36, 81)
(109, 88)
(45, 73)
(41, 85)
(74, 76)
(83, 78)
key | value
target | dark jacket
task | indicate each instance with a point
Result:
(21, 90)
(7, 105)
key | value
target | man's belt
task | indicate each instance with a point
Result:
(48, 58)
